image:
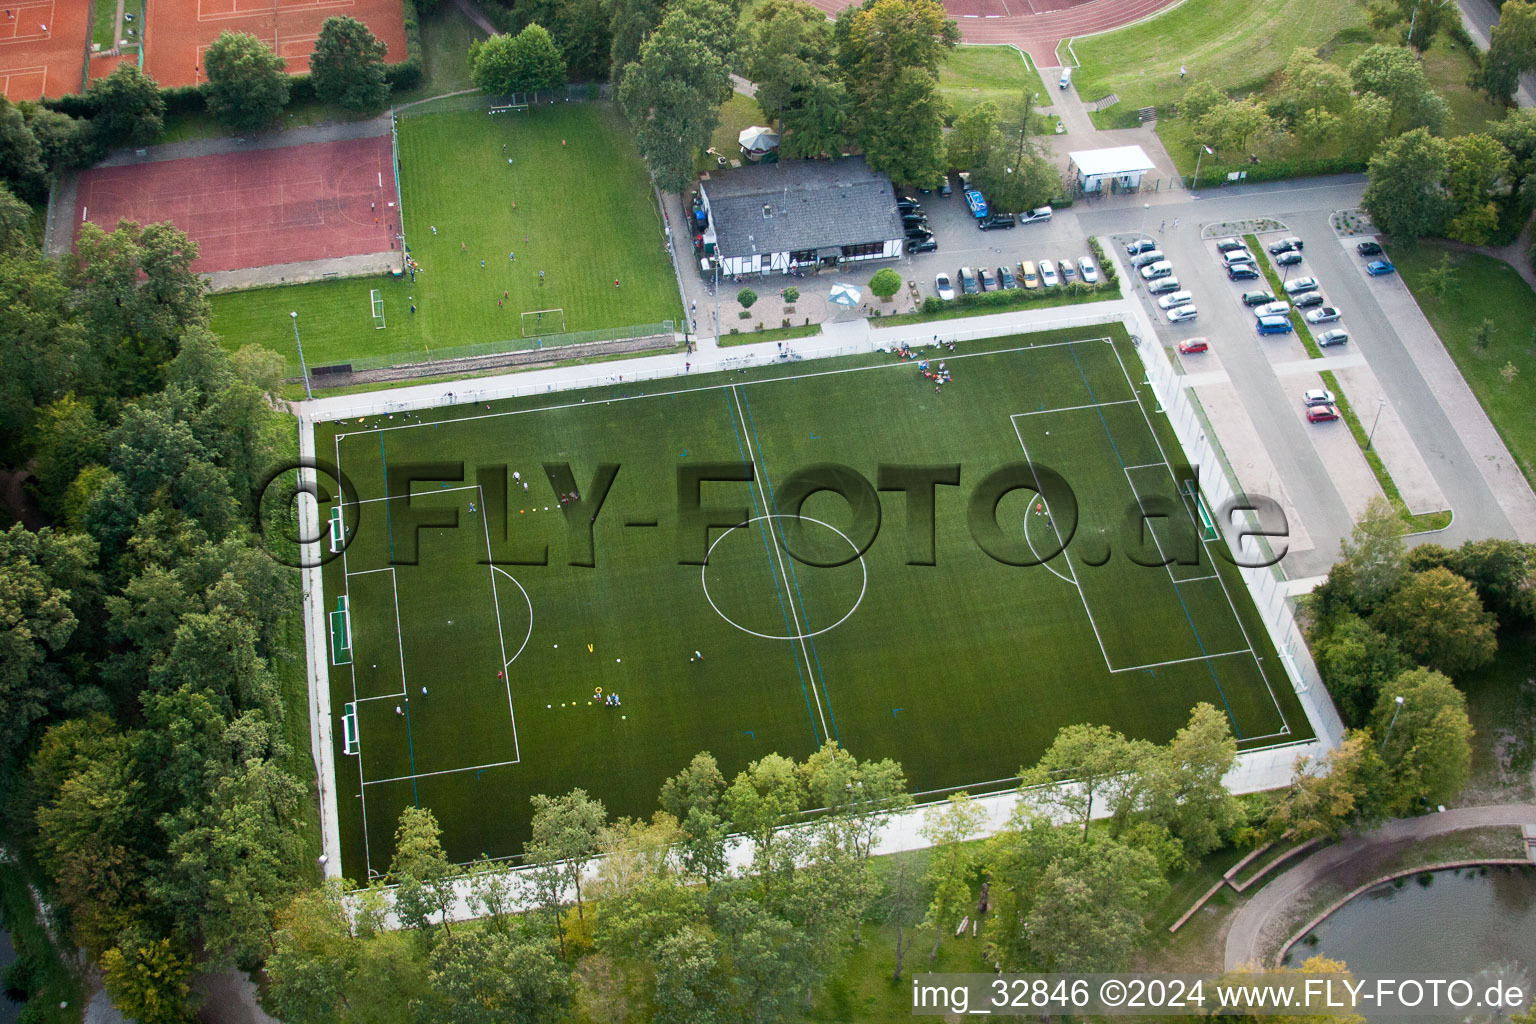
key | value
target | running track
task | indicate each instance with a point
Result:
(1033, 25)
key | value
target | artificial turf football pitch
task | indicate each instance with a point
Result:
(474, 682)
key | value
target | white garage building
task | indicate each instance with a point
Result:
(770, 218)
(1119, 168)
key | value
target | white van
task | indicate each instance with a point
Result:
(1066, 78)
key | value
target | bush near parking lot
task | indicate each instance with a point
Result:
(1107, 269)
(935, 308)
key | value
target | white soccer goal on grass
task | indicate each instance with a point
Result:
(377, 302)
(539, 322)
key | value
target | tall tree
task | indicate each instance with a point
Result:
(973, 136)
(1371, 558)
(1440, 622)
(422, 872)
(247, 83)
(691, 983)
(1355, 659)
(150, 980)
(566, 830)
(580, 27)
(1477, 177)
(347, 65)
(1086, 764)
(130, 111)
(1396, 75)
(491, 977)
(672, 95)
(768, 793)
(949, 827)
(22, 169)
(1419, 20)
(820, 123)
(526, 62)
(1184, 789)
(1511, 50)
(1503, 573)
(629, 23)
(694, 799)
(1349, 784)
(788, 53)
(890, 52)
(1426, 740)
(314, 957)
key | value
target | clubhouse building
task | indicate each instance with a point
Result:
(773, 218)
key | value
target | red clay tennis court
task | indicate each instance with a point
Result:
(42, 47)
(260, 207)
(178, 32)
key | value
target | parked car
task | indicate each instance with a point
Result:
(1337, 336)
(906, 204)
(918, 234)
(1089, 271)
(1306, 300)
(1301, 284)
(914, 220)
(1182, 314)
(1189, 346)
(1369, 249)
(944, 188)
(1317, 396)
(1258, 298)
(1067, 271)
(1243, 272)
(1005, 278)
(1281, 308)
(976, 203)
(1237, 256)
(997, 220)
(1321, 413)
(1227, 245)
(1323, 315)
(1292, 244)
(987, 279)
(1028, 274)
(1038, 213)
(1153, 271)
(944, 287)
(1163, 286)
(1289, 258)
(1140, 246)
(1179, 298)
(1146, 256)
(1048, 274)
(1376, 268)
(923, 245)
(967, 281)
(1274, 325)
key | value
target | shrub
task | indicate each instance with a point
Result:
(1278, 170)
(885, 283)
(791, 293)
(746, 297)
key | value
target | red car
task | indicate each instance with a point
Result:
(1189, 346)
(1321, 413)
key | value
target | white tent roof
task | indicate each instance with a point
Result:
(1118, 160)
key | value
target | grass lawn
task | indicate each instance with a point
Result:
(737, 113)
(1236, 43)
(1491, 288)
(1501, 701)
(974, 74)
(585, 208)
(104, 23)
(896, 660)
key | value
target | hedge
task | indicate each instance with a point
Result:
(1006, 298)
(1106, 266)
(1277, 170)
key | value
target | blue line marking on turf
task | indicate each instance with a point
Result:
(749, 732)
(683, 454)
(389, 519)
(894, 710)
(1209, 666)
(793, 575)
(410, 745)
(752, 490)
(479, 773)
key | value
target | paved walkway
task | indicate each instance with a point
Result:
(1256, 927)
(1065, 104)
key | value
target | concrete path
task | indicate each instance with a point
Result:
(1257, 926)
(1065, 104)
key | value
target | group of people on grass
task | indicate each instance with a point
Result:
(610, 700)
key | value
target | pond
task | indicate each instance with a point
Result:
(1443, 924)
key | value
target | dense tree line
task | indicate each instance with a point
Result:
(142, 751)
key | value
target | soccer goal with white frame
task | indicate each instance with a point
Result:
(539, 322)
(376, 301)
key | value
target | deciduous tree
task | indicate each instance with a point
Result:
(347, 66)
(1511, 50)
(422, 873)
(130, 111)
(526, 62)
(247, 83)
(1477, 177)
(1371, 558)
(1084, 765)
(1439, 621)
(566, 830)
(672, 93)
(1184, 789)
(1426, 740)
(949, 827)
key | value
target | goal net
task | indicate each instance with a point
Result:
(376, 302)
(539, 322)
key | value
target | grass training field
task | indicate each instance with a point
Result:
(975, 74)
(584, 214)
(963, 669)
(1492, 289)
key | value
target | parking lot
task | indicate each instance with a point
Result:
(963, 244)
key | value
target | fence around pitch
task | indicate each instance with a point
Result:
(424, 357)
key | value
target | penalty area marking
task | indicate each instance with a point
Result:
(704, 579)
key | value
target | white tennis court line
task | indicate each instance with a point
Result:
(1263, 674)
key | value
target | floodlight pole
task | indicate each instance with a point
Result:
(1392, 723)
(303, 369)
(1204, 149)
(1380, 402)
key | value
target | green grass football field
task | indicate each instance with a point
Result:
(585, 215)
(473, 672)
